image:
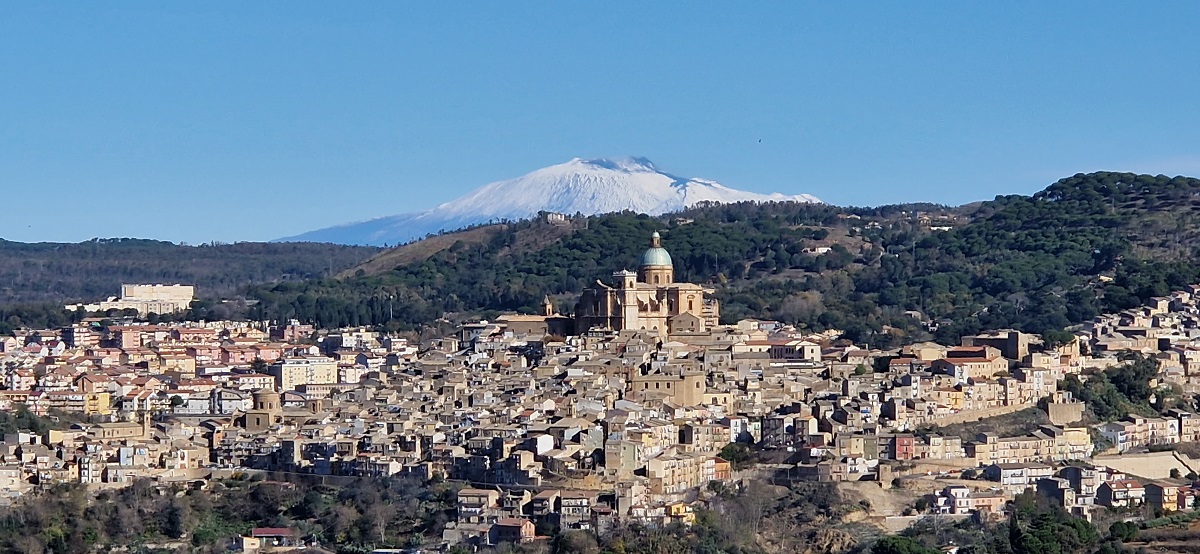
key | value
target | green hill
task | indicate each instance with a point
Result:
(92, 270)
(1030, 262)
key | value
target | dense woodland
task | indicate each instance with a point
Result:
(55, 273)
(1028, 262)
(145, 517)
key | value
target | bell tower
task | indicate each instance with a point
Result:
(627, 299)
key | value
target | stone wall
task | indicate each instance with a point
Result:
(1065, 413)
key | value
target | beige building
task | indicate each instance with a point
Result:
(683, 388)
(678, 474)
(310, 370)
(1047, 444)
(647, 300)
(159, 299)
(478, 505)
(266, 412)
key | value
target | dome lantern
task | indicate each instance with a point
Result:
(656, 267)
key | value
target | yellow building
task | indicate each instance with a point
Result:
(86, 403)
(647, 300)
(682, 513)
(97, 403)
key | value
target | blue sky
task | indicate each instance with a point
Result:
(250, 121)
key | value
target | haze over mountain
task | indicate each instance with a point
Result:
(588, 187)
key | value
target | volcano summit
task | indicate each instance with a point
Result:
(587, 187)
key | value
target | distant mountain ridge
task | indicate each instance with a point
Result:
(588, 187)
(95, 269)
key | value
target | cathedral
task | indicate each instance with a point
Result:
(648, 300)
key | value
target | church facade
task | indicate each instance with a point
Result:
(648, 300)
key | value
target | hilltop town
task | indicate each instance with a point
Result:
(634, 409)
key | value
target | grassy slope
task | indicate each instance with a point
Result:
(419, 250)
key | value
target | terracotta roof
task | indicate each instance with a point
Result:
(966, 360)
(271, 532)
(1125, 484)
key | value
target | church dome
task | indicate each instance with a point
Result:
(656, 255)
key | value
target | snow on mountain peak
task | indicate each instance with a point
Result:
(625, 163)
(586, 186)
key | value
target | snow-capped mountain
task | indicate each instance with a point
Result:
(582, 186)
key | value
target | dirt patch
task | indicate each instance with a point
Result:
(883, 501)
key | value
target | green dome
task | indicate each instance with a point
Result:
(656, 255)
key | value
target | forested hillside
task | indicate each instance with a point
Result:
(93, 270)
(512, 270)
(1036, 263)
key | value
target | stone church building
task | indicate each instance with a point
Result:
(648, 300)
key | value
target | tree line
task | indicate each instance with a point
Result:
(394, 512)
(56, 273)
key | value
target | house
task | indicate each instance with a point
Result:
(954, 500)
(262, 539)
(680, 512)
(971, 364)
(962, 500)
(513, 530)
(1121, 493)
(1015, 478)
(1058, 490)
(576, 511)
(1085, 480)
(1162, 495)
(545, 503)
(477, 505)
(901, 447)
